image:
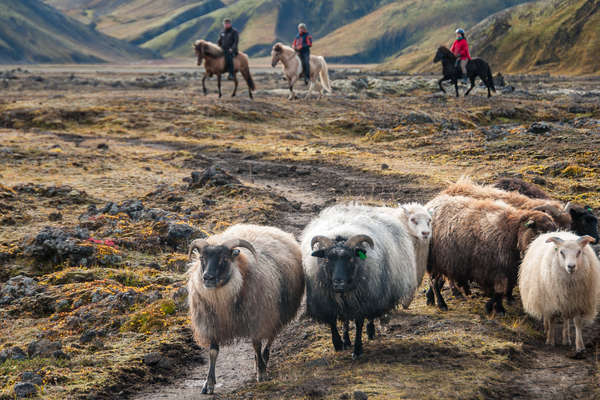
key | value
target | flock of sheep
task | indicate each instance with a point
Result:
(360, 262)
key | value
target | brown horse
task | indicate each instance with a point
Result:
(214, 64)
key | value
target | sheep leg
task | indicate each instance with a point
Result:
(456, 290)
(579, 346)
(267, 351)
(438, 284)
(550, 330)
(430, 296)
(566, 333)
(358, 346)
(499, 308)
(261, 366)
(335, 337)
(371, 329)
(347, 342)
(211, 380)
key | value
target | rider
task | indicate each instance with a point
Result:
(228, 41)
(302, 45)
(460, 48)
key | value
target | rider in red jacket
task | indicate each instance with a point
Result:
(460, 48)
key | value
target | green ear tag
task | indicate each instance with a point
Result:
(362, 255)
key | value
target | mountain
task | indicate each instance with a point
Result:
(513, 35)
(33, 32)
(416, 24)
(545, 36)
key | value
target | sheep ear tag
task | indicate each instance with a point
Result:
(361, 254)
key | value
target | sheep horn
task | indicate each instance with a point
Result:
(357, 239)
(233, 243)
(568, 207)
(324, 241)
(197, 244)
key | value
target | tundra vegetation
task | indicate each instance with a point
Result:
(107, 176)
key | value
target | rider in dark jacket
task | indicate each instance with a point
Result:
(228, 41)
(302, 45)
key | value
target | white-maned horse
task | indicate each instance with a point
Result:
(292, 68)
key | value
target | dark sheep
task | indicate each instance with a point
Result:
(480, 241)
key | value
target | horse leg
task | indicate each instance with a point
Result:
(235, 84)
(310, 86)
(472, 86)
(219, 84)
(440, 84)
(204, 84)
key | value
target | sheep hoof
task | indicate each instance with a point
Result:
(208, 388)
(443, 307)
(356, 356)
(261, 376)
(371, 331)
(578, 355)
(405, 306)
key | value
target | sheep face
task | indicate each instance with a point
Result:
(217, 265)
(584, 222)
(560, 217)
(342, 260)
(341, 264)
(419, 225)
(532, 224)
(568, 252)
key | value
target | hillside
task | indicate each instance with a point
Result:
(541, 36)
(546, 36)
(31, 31)
(391, 29)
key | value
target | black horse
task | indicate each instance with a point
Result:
(475, 68)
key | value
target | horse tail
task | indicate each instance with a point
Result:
(324, 75)
(248, 77)
(490, 79)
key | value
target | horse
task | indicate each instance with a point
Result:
(214, 64)
(292, 69)
(475, 68)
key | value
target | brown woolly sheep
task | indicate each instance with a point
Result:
(466, 187)
(480, 241)
(519, 185)
(246, 282)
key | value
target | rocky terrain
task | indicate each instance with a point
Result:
(105, 176)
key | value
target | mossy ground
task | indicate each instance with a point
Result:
(112, 145)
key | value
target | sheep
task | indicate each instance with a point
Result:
(519, 185)
(480, 241)
(583, 220)
(417, 222)
(345, 280)
(466, 187)
(246, 282)
(560, 277)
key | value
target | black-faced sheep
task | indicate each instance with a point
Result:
(480, 241)
(560, 277)
(246, 282)
(359, 264)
